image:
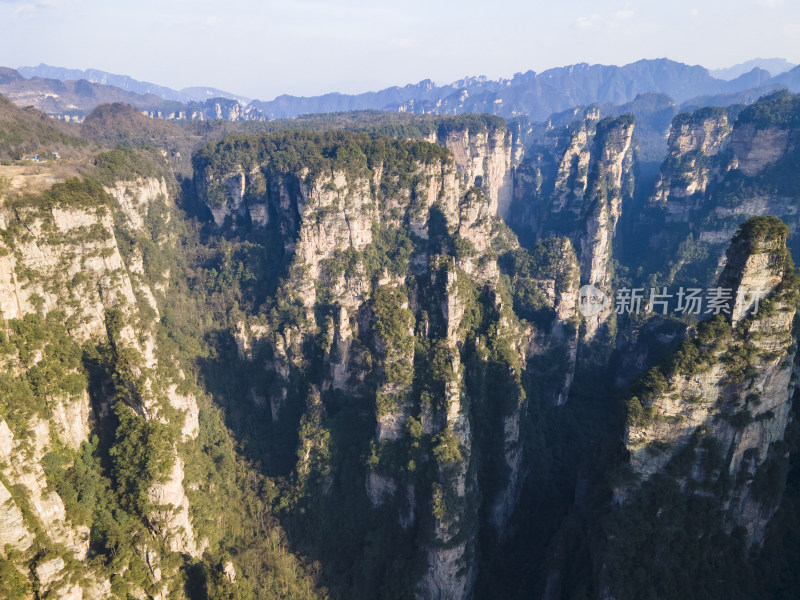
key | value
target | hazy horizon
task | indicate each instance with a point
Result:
(307, 48)
(355, 92)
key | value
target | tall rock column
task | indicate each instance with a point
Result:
(610, 183)
(727, 392)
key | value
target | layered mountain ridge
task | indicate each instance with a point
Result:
(347, 364)
(190, 94)
(72, 94)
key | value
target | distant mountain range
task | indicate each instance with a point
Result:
(71, 94)
(537, 95)
(72, 100)
(190, 94)
(775, 66)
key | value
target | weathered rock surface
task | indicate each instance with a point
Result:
(720, 170)
(689, 168)
(67, 257)
(484, 159)
(754, 148)
(319, 220)
(136, 197)
(575, 183)
(745, 410)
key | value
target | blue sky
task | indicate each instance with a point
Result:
(305, 47)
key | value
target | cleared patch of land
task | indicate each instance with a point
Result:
(28, 178)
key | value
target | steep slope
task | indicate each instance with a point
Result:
(575, 183)
(27, 131)
(393, 298)
(723, 166)
(206, 110)
(62, 273)
(349, 312)
(101, 440)
(706, 431)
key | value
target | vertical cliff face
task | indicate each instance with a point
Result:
(756, 146)
(716, 416)
(546, 284)
(611, 184)
(575, 183)
(483, 159)
(393, 270)
(722, 168)
(483, 152)
(554, 176)
(62, 274)
(394, 363)
(214, 108)
(690, 167)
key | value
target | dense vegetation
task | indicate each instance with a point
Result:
(276, 478)
(355, 155)
(126, 164)
(396, 125)
(105, 484)
(27, 131)
(780, 109)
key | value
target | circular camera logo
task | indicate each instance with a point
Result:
(592, 301)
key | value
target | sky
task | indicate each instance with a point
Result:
(262, 49)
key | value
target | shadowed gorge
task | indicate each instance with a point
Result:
(351, 355)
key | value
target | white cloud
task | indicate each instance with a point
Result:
(590, 22)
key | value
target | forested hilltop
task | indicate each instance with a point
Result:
(348, 355)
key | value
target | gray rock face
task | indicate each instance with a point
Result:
(754, 149)
(484, 159)
(22, 467)
(745, 411)
(575, 183)
(689, 168)
(68, 258)
(215, 108)
(13, 531)
(720, 170)
(337, 212)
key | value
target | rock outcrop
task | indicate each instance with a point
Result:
(397, 330)
(214, 108)
(574, 183)
(756, 148)
(380, 361)
(723, 167)
(689, 168)
(728, 390)
(484, 158)
(61, 255)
